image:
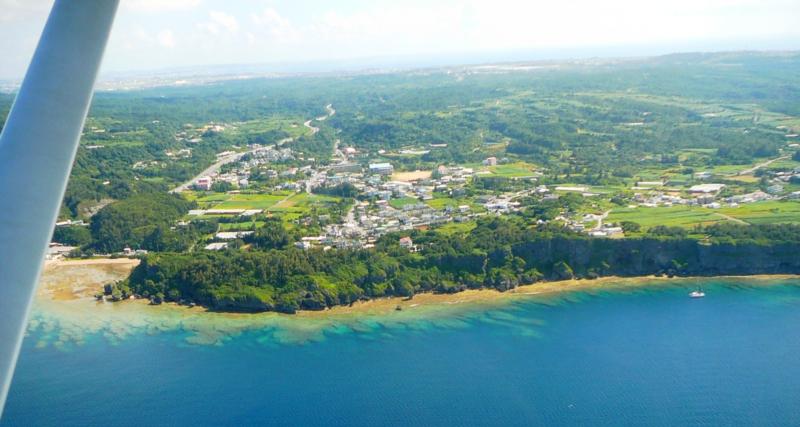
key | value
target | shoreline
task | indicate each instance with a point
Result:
(66, 312)
(548, 288)
(96, 270)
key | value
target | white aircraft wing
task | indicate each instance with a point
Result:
(37, 148)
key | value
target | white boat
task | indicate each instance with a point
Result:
(697, 294)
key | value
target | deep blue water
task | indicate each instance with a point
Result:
(651, 357)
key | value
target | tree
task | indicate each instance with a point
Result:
(630, 226)
(73, 235)
(272, 235)
(221, 186)
(562, 271)
(667, 231)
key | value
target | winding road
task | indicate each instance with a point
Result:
(213, 169)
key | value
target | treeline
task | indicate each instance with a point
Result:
(500, 253)
(144, 222)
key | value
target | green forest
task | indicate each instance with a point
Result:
(499, 254)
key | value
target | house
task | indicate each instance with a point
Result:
(204, 183)
(407, 243)
(490, 161)
(304, 245)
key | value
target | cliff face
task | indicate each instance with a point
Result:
(291, 280)
(636, 257)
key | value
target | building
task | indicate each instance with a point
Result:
(702, 175)
(775, 189)
(204, 183)
(346, 167)
(706, 188)
(381, 168)
(216, 246)
(231, 235)
(490, 161)
(406, 243)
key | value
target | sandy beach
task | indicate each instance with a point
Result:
(82, 279)
(66, 312)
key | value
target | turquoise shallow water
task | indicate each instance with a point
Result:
(643, 356)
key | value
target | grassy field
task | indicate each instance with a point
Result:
(239, 226)
(456, 228)
(403, 201)
(510, 170)
(441, 202)
(771, 212)
(292, 126)
(680, 216)
(236, 201)
(303, 202)
(250, 201)
(513, 170)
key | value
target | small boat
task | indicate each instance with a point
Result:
(697, 294)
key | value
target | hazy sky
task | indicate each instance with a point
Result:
(153, 34)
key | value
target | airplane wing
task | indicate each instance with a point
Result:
(37, 148)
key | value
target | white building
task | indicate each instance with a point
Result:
(216, 246)
(231, 235)
(706, 188)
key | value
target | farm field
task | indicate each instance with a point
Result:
(240, 201)
(770, 212)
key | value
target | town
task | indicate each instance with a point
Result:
(386, 200)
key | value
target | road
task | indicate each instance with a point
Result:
(213, 169)
(730, 218)
(761, 165)
(307, 124)
(315, 129)
(600, 220)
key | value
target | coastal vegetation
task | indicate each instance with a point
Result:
(499, 253)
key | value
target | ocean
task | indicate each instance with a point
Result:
(625, 356)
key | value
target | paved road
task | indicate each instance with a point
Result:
(761, 165)
(213, 169)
